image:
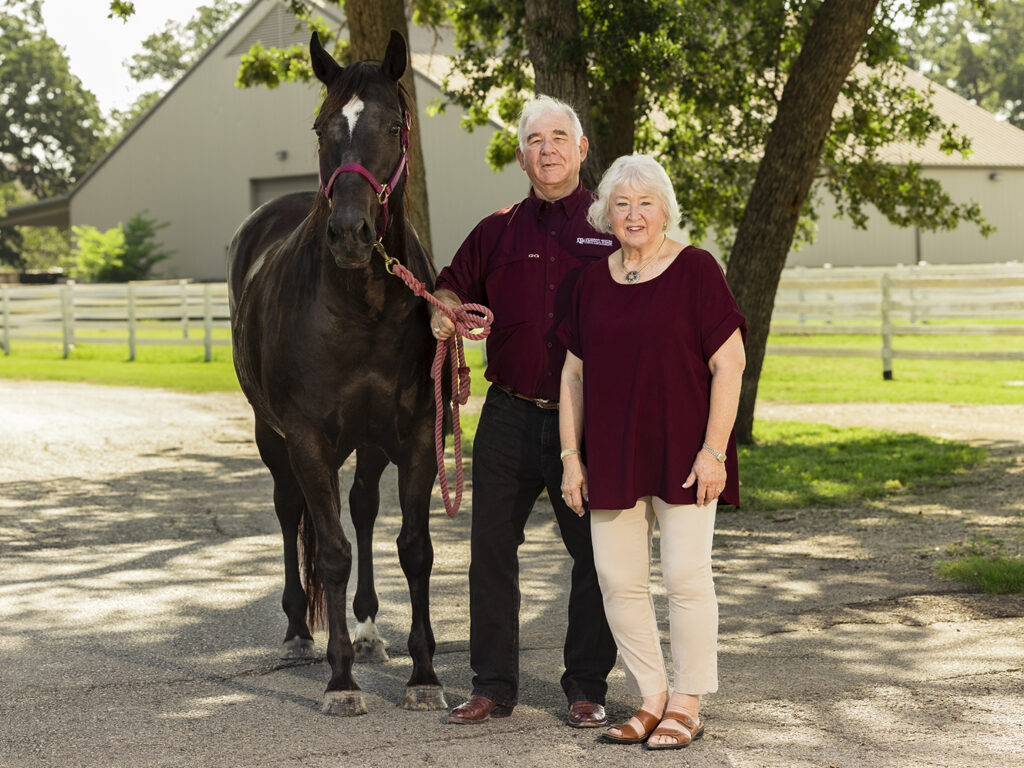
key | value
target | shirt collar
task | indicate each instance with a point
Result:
(569, 203)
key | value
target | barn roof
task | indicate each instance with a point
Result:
(994, 143)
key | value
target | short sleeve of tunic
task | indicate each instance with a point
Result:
(646, 383)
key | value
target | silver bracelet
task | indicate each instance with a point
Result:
(567, 452)
(713, 452)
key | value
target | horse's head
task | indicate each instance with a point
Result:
(363, 134)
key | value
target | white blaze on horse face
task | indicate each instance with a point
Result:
(351, 111)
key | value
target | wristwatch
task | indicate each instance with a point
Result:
(713, 452)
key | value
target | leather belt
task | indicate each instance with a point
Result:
(548, 405)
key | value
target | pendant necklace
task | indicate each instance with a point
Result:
(632, 275)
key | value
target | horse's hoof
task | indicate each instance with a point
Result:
(424, 697)
(298, 648)
(344, 703)
(369, 651)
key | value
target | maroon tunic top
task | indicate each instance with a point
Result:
(522, 262)
(646, 384)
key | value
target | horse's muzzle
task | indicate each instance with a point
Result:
(350, 240)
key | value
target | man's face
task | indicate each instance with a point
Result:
(552, 158)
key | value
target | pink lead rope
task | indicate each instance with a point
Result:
(472, 321)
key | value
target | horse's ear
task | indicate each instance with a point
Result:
(324, 66)
(395, 56)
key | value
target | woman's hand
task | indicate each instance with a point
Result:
(574, 484)
(709, 474)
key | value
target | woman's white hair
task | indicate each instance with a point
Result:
(644, 174)
(542, 105)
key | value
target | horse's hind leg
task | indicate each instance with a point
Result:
(364, 503)
(288, 504)
(416, 553)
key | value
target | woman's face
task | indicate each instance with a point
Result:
(637, 216)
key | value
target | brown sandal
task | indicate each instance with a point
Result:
(628, 734)
(691, 731)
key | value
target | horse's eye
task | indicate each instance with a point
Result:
(396, 129)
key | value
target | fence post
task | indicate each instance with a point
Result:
(208, 322)
(131, 322)
(7, 319)
(67, 310)
(184, 309)
(886, 328)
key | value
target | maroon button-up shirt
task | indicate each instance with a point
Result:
(523, 262)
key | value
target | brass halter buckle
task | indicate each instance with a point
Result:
(389, 261)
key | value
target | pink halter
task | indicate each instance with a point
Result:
(383, 190)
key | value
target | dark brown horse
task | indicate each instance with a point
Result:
(334, 355)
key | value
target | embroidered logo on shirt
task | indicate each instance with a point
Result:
(592, 241)
(533, 255)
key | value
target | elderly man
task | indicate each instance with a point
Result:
(523, 262)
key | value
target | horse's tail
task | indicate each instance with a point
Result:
(316, 605)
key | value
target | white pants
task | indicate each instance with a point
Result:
(622, 554)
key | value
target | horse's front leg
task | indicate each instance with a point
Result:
(364, 503)
(317, 474)
(416, 475)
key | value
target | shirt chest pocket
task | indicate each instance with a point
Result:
(515, 286)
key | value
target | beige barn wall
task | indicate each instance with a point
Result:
(191, 160)
(882, 244)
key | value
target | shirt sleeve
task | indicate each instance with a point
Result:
(720, 315)
(465, 275)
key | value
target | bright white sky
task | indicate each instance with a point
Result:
(97, 47)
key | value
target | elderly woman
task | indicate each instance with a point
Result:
(649, 393)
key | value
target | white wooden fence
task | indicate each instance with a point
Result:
(71, 313)
(947, 300)
(965, 301)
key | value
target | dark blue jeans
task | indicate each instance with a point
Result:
(515, 456)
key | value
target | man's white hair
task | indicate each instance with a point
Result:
(542, 105)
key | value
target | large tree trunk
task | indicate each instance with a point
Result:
(560, 70)
(784, 177)
(369, 27)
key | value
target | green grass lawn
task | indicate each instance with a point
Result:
(795, 466)
(171, 367)
(783, 378)
(844, 380)
(993, 575)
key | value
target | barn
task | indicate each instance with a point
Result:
(992, 175)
